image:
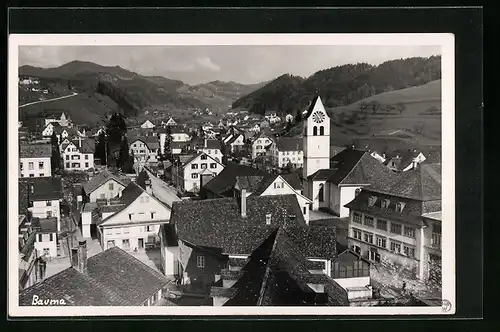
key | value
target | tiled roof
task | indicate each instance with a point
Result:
(35, 151)
(100, 179)
(289, 144)
(249, 183)
(293, 179)
(213, 144)
(315, 242)
(88, 145)
(129, 194)
(223, 184)
(152, 142)
(45, 225)
(201, 222)
(169, 234)
(113, 278)
(45, 188)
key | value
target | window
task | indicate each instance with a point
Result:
(130, 216)
(86, 156)
(372, 200)
(40, 165)
(321, 193)
(409, 231)
(436, 236)
(32, 175)
(395, 228)
(49, 214)
(409, 251)
(21, 166)
(48, 203)
(203, 157)
(126, 243)
(111, 186)
(42, 174)
(150, 228)
(368, 237)
(381, 242)
(200, 261)
(356, 217)
(39, 237)
(278, 185)
(304, 210)
(194, 176)
(372, 254)
(368, 221)
(30, 165)
(111, 243)
(321, 131)
(356, 233)
(153, 215)
(67, 157)
(382, 224)
(213, 165)
(400, 207)
(203, 166)
(396, 247)
(385, 203)
(144, 199)
(67, 164)
(357, 191)
(194, 166)
(315, 131)
(87, 165)
(356, 249)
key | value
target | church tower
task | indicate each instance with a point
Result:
(316, 138)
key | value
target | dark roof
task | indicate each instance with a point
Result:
(129, 194)
(88, 145)
(293, 179)
(315, 242)
(402, 158)
(249, 183)
(225, 181)
(213, 144)
(311, 107)
(142, 178)
(113, 278)
(35, 151)
(152, 142)
(289, 144)
(201, 222)
(45, 225)
(100, 179)
(169, 234)
(44, 188)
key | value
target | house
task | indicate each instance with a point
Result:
(331, 183)
(272, 116)
(402, 161)
(46, 237)
(144, 149)
(287, 150)
(397, 223)
(192, 172)
(78, 154)
(169, 251)
(212, 147)
(235, 140)
(259, 144)
(269, 186)
(147, 124)
(132, 222)
(215, 248)
(380, 157)
(42, 197)
(34, 160)
(103, 186)
(28, 258)
(169, 122)
(179, 135)
(223, 184)
(61, 118)
(110, 278)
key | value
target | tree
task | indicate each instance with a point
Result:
(124, 154)
(55, 159)
(167, 145)
(400, 107)
(116, 128)
(224, 151)
(288, 168)
(288, 126)
(298, 117)
(101, 149)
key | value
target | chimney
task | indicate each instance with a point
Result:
(32, 188)
(79, 141)
(82, 256)
(149, 188)
(243, 203)
(205, 143)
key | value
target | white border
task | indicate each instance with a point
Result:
(446, 41)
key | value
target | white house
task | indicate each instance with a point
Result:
(195, 172)
(78, 155)
(34, 160)
(43, 197)
(145, 149)
(169, 251)
(103, 186)
(235, 141)
(259, 145)
(212, 147)
(136, 221)
(287, 150)
(169, 122)
(180, 135)
(378, 156)
(46, 237)
(147, 124)
(403, 161)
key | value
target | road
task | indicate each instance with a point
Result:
(47, 100)
(162, 191)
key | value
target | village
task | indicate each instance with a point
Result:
(222, 213)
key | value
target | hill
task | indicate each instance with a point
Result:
(417, 125)
(132, 93)
(341, 85)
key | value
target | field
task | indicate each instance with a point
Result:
(83, 108)
(416, 126)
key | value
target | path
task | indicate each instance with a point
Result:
(47, 100)
(162, 191)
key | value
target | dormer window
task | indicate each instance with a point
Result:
(357, 191)
(372, 200)
(385, 203)
(399, 207)
(268, 219)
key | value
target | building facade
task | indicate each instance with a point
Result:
(78, 155)
(195, 172)
(34, 160)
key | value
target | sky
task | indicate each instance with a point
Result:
(200, 64)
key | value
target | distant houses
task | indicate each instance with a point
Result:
(78, 154)
(287, 150)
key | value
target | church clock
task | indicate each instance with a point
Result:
(318, 117)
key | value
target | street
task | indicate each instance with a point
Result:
(162, 191)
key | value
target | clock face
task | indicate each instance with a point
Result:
(318, 117)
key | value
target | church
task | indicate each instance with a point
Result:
(332, 182)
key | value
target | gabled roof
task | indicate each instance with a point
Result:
(44, 188)
(311, 107)
(248, 183)
(88, 145)
(35, 151)
(152, 142)
(224, 183)
(289, 144)
(44, 225)
(201, 222)
(113, 278)
(99, 180)
(194, 157)
(402, 158)
(213, 144)
(129, 195)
